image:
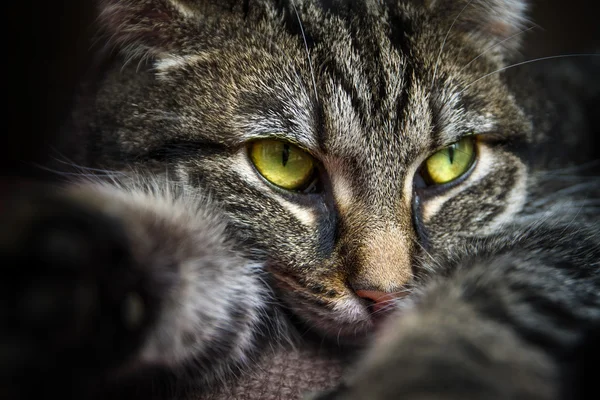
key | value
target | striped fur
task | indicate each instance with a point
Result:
(501, 266)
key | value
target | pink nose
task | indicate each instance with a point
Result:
(380, 300)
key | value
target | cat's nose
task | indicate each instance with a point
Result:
(380, 300)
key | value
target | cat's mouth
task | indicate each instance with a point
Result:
(346, 318)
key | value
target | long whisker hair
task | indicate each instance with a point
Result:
(528, 62)
(83, 169)
(312, 72)
(521, 32)
(437, 62)
(68, 176)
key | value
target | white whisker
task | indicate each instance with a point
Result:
(562, 193)
(83, 168)
(528, 62)
(494, 46)
(91, 176)
(444, 43)
(312, 73)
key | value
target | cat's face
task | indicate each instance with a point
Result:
(386, 86)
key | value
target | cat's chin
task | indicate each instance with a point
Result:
(345, 319)
(347, 323)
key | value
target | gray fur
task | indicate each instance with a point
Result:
(370, 89)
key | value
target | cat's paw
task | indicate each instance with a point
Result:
(448, 352)
(72, 301)
(125, 285)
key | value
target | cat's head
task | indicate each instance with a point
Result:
(345, 140)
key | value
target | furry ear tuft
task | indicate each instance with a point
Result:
(146, 27)
(490, 21)
(499, 18)
(161, 28)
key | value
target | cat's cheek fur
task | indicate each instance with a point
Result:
(211, 299)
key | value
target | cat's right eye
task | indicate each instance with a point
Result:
(283, 164)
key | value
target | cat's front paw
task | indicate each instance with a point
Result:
(448, 353)
(71, 307)
(125, 287)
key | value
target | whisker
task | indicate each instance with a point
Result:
(567, 171)
(63, 159)
(431, 258)
(401, 294)
(389, 304)
(558, 177)
(495, 45)
(83, 168)
(78, 174)
(312, 73)
(559, 194)
(528, 62)
(444, 43)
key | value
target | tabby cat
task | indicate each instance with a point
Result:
(372, 171)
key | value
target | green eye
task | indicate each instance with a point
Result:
(282, 164)
(450, 163)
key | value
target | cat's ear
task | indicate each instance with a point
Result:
(161, 27)
(493, 21)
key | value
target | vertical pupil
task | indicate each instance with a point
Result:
(451, 153)
(286, 154)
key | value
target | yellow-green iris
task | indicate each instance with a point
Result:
(282, 164)
(451, 162)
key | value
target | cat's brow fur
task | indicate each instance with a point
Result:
(501, 269)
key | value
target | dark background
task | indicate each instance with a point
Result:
(47, 51)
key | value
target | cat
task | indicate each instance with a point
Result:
(374, 171)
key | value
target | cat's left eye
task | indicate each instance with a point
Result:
(283, 164)
(449, 163)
